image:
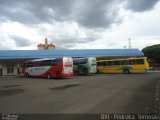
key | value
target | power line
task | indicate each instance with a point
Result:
(129, 44)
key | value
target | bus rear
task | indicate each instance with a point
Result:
(146, 63)
(92, 65)
(141, 65)
(67, 67)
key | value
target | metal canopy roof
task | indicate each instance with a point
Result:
(27, 54)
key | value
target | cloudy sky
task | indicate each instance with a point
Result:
(79, 24)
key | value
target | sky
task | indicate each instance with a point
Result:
(79, 24)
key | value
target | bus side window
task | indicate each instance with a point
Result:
(55, 62)
(103, 63)
(36, 63)
(98, 63)
(110, 63)
(117, 62)
(24, 66)
(140, 61)
(124, 62)
(106, 64)
(131, 62)
(29, 64)
(58, 61)
(45, 63)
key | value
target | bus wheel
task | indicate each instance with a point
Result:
(126, 71)
(48, 76)
(27, 75)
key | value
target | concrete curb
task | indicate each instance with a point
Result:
(153, 71)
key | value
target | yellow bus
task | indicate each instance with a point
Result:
(127, 65)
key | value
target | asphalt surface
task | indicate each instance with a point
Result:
(93, 94)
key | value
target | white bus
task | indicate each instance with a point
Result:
(84, 66)
(48, 67)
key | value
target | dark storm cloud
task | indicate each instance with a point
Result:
(20, 41)
(88, 13)
(140, 5)
(15, 10)
(99, 13)
(35, 11)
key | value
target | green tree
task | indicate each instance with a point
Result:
(153, 53)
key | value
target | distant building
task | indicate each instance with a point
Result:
(45, 46)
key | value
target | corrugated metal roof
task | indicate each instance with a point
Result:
(24, 54)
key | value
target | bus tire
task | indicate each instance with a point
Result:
(48, 75)
(27, 75)
(126, 71)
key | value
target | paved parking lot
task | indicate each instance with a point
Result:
(101, 93)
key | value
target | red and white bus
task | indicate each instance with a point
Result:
(48, 67)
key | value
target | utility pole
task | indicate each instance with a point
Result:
(129, 45)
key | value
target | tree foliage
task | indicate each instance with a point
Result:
(153, 52)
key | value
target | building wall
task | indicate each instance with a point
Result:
(40, 47)
(9, 72)
(11, 67)
(45, 46)
(51, 47)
